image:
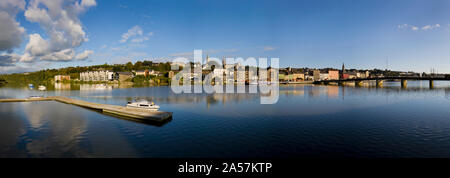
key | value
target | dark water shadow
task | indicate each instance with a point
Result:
(141, 121)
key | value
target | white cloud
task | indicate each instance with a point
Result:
(88, 3)
(11, 32)
(37, 46)
(24, 67)
(431, 27)
(269, 48)
(63, 55)
(135, 35)
(84, 55)
(415, 28)
(402, 26)
(60, 21)
(427, 27)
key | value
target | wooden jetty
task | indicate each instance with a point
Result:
(135, 113)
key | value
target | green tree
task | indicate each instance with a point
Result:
(129, 66)
(117, 68)
(138, 65)
(147, 63)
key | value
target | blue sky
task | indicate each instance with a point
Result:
(366, 34)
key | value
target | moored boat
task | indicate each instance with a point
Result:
(42, 88)
(143, 105)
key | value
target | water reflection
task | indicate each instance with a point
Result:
(11, 131)
(308, 120)
(447, 93)
(62, 86)
(60, 132)
(94, 87)
(59, 135)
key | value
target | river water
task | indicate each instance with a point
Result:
(307, 121)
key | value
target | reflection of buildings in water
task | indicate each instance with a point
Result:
(93, 87)
(62, 86)
(293, 92)
(332, 91)
(314, 91)
(447, 93)
(209, 99)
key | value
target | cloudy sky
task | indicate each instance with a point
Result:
(401, 34)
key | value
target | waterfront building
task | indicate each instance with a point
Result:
(366, 74)
(171, 74)
(333, 75)
(309, 77)
(59, 78)
(297, 74)
(363, 75)
(323, 76)
(316, 75)
(352, 76)
(289, 77)
(96, 76)
(144, 72)
(218, 74)
(240, 73)
(345, 76)
(229, 73)
(281, 77)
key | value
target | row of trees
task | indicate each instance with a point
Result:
(44, 77)
(142, 65)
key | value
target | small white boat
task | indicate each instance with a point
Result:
(42, 88)
(143, 105)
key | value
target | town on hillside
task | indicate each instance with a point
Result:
(161, 73)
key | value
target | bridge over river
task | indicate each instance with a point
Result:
(379, 80)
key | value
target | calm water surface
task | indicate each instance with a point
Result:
(311, 121)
